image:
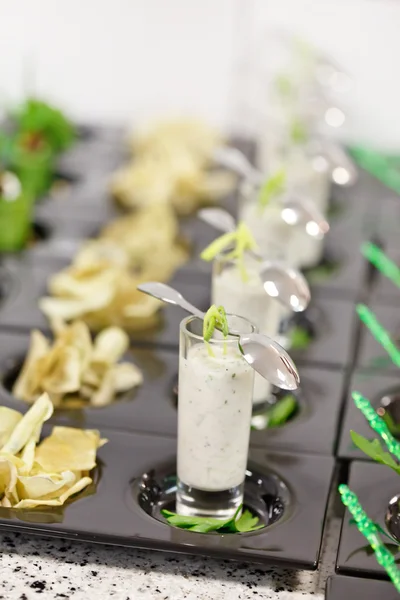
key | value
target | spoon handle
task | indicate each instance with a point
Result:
(192, 309)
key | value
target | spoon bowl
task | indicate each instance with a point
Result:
(300, 211)
(234, 160)
(262, 353)
(286, 284)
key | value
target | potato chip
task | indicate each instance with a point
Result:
(126, 376)
(8, 421)
(48, 474)
(75, 366)
(63, 374)
(45, 486)
(68, 448)
(105, 392)
(28, 426)
(77, 487)
(170, 166)
(8, 477)
(109, 345)
(27, 387)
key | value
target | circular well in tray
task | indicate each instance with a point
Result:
(266, 495)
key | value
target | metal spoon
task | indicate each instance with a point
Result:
(300, 211)
(342, 168)
(282, 282)
(235, 160)
(295, 210)
(286, 284)
(262, 353)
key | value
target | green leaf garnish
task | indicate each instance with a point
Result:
(241, 239)
(374, 450)
(246, 522)
(274, 186)
(281, 412)
(300, 338)
(38, 122)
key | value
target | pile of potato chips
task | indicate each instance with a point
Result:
(100, 285)
(171, 165)
(47, 473)
(74, 371)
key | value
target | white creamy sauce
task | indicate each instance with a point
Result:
(300, 168)
(279, 240)
(248, 299)
(214, 412)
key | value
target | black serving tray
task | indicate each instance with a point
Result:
(375, 485)
(119, 512)
(374, 386)
(151, 408)
(355, 588)
(290, 467)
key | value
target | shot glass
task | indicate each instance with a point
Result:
(239, 289)
(214, 413)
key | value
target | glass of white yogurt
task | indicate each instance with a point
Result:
(247, 298)
(214, 414)
(276, 238)
(307, 171)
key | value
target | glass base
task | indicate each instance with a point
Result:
(192, 502)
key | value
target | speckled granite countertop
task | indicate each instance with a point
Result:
(42, 568)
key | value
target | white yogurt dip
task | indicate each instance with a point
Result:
(214, 413)
(277, 239)
(248, 299)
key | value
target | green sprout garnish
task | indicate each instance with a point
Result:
(246, 522)
(284, 85)
(215, 317)
(274, 186)
(242, 241)
(300, 338)
(282, 411)
(40, 124)
(298, 131)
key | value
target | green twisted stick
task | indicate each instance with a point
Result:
(380, 333)
(369, 530)
(378, 258)
(377, 423)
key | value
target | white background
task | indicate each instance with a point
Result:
(129, 60)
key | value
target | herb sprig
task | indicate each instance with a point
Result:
(215, 317)
(242, 241)
(273, 187)
(246, 522)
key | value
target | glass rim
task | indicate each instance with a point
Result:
(229, 339)
(222, 257)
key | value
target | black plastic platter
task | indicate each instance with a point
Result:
(135, 478)
(290, 467)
